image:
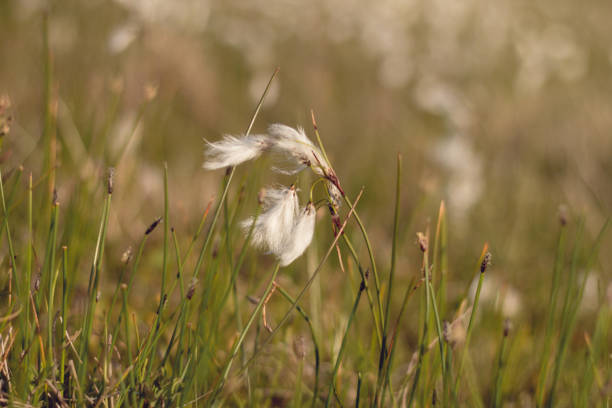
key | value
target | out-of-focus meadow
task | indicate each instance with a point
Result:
(501, 109)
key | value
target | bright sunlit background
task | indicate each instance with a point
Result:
(502, 109)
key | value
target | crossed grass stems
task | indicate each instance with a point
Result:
(68, 376)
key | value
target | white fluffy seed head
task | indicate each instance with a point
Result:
(232, 150)
(295, 145)
(275, 224)
(300, 237)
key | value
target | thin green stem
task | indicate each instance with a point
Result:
(94, 278)
(64, 307)
(343, 344)
(242, 336)
(552, 307)
(501, 365)
(371, 255)
(384, 352)
(50, 271)
(423, 344)
(315, 343)
(230, 176)
(472, 318)
(373, 309)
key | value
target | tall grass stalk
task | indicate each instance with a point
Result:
(440, 258)
(230, 175)
(573, 298)
(424, 336)
(64, 315)
(482, 266)
(363, 232)
(384, 351)
(552, 309)
(12, 257)
(501, 365)
(92, 290)
(49, 270)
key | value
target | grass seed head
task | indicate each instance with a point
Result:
(563, 215)
(110, 180)
(126, 256)
(153, 225)
(422, 241)
(299, 347)
(5, 115)
(507, 327)
(486, 261)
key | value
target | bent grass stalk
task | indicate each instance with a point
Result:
(411, 289)
(363, 232)
(315, 343)
(362, 272)
(343, 344)
(242, 336)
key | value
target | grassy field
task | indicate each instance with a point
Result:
(437, 236)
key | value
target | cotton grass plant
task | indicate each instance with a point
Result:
(79, 325)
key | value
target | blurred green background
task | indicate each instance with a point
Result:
(501, 109)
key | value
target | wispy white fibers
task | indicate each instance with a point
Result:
(232, 150)
(295, 145)
(301, 236)
(274, 226)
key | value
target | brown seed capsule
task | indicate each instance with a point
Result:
(150, 91)
(5, 115)
(261, 196)
(507, 327)
(563, 214)
(299, 347)
(422, 241)
(446, 331)
(486, 261)
(111, 175)
(192, 288)
(126, 256)
(152, 227)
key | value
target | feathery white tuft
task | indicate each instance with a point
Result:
(274, 226)
(301, 236)
(294, 144)
(232, 150)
